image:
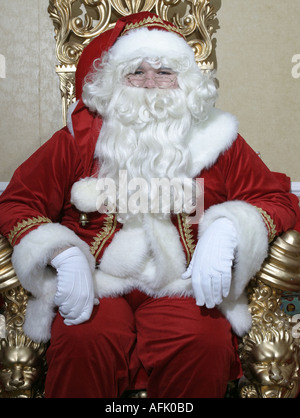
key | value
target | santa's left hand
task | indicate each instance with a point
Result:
(211, 266)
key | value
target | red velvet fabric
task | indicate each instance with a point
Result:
(134, 342)
(240, 175)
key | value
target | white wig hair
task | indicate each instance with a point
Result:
(110, 70)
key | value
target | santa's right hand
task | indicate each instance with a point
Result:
(75, 296)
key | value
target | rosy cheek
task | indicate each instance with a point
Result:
(175, 85)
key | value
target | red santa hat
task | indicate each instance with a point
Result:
(140, 34)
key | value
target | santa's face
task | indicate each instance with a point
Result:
(150, 75)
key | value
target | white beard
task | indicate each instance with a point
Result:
(144, 137)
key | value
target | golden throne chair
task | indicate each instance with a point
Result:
(270, 351)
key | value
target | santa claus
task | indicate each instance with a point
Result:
(139, 294)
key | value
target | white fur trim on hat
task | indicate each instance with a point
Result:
(152, 43)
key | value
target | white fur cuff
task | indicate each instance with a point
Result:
(252, 236)
(35, 250)
(30, 258)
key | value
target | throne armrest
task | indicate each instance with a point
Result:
(8, 278)
(270, 351)
(22, 361)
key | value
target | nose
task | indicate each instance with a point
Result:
(275, 373)
(17, 378)
(149, 83)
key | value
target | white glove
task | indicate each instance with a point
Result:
(211, 266)
(75, 289)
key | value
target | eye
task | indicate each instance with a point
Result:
(261, 364)
(165, 72)
(29, 369)
(286, 362)
(138, 72)
(6, 370)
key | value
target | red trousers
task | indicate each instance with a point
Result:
(169, 346)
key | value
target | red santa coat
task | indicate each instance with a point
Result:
(41, 207)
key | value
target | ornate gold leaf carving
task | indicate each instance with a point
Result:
(269, 352)
(127, 7)
(8, 278)
(22, 361)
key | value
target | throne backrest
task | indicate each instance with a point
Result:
(78, 22)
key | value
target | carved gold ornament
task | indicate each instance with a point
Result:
(77, 22)
(270, 351)
(8, 278)
(22, 361)
(282, 267)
